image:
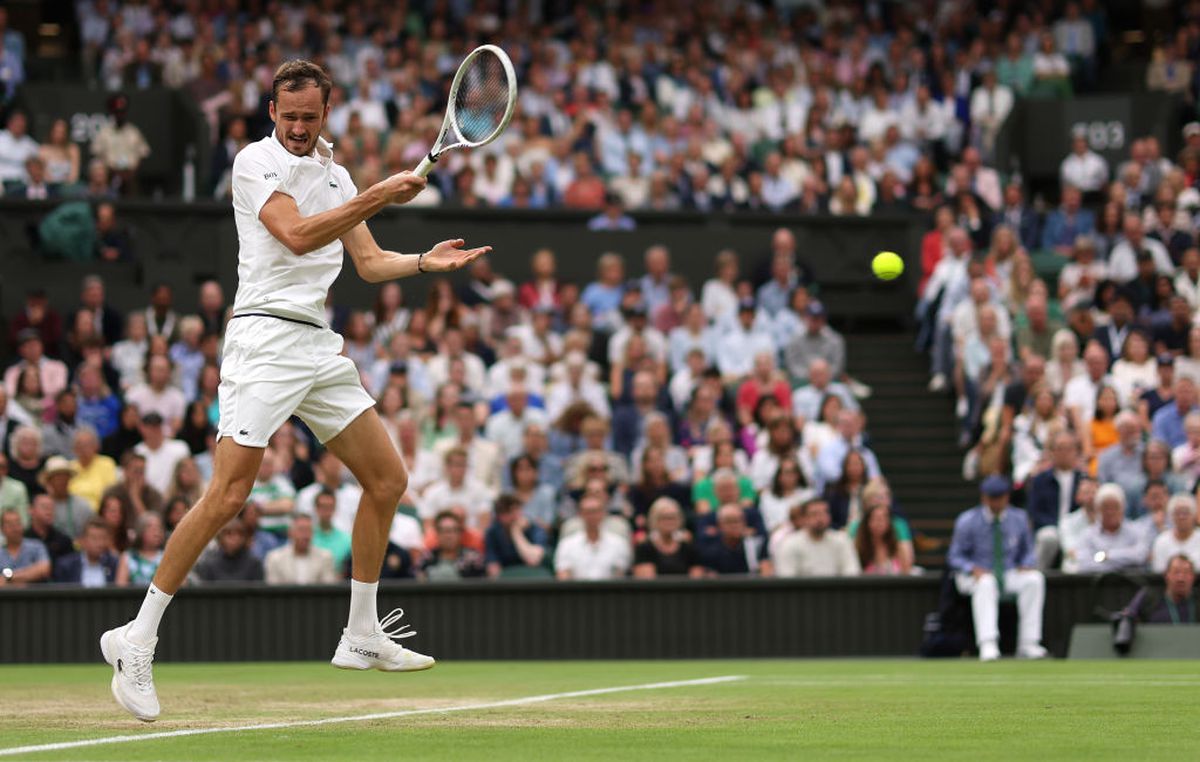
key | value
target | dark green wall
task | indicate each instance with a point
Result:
(523, 620)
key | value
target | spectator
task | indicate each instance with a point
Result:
(764, 380)
(736, 350)
(41, 528)
(93, 472)
(27, 458)
(51, 374)
(300, 562)
(231, 560)
(719, 298)
(330, 475)
(1181, 539)
(1167, 423)
(457, 490)
(816, 550)
(326, 535)
(133, 488)
(60, 156)
(1122, 463)
(735, 550)
(160, 453)
(788, 489)
(1123, 259)
(70, 511)
(807, 400)
(832, 456)
(97, 407)
(818, 341)
(140, 561)
(13, 493)
(157, 395)
(992, 553)
(1111, 544)
(121, 146)
(95, 565)
(877, 545)
(1051, 496)
(1070, 220)
(22, 560)
(592, 554)
(450, 559)
(16, 147)
(273, 495)
(667, 549)
(1177, 605)
(512, 541)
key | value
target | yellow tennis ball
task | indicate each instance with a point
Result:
(887, 265)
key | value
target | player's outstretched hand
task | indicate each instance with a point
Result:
(403, 187)
(450, 255)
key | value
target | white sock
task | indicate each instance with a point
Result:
(145, 627)
(363, 617)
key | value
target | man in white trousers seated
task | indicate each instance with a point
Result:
(992, 555)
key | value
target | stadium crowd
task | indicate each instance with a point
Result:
(836, 108)
(628, 427)
(1071, 344)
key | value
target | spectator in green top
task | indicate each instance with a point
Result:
(723, 486)
(325, 534)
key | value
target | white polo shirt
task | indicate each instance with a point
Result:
(271, 278)
(607, 558)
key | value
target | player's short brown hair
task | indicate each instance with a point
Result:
(299, 74)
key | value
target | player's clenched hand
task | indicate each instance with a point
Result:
(450, 255)
(403, 187)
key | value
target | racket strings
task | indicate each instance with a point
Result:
(482, 99)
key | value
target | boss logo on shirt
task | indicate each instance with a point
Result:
(271, 176)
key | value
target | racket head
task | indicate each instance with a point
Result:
(483, 97)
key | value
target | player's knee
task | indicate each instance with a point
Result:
(388, 491)
(229, 499)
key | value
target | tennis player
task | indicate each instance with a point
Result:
(296, 209)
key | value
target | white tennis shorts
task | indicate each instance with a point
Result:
(272, 368)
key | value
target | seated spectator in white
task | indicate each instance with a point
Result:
(140, 560)
(1063, 364)
(16, 147)
(94, 565)
(738, 347)
(781, 444)
(1181, 539)
(657, 433)
(1123, 259)
(992, 554)
(1112, 543)
(327, 535)
(704, 456)
(1185, 459)
(161, 454)
(694, 335)
(878, 547)
(514, 367)
(1076, 524)
(667, 550)
(512, 540)
(1083, 168)
(1177, 605)
(734, 550)
(506, 427)
(41, 528)
(1136, 371)
(71, 512)
(718, 297)
(453, 347)
(593, 553)
(483, 457)
(129, 354)
(1078, 279)
(300, 562)
(816, 550)
(807, 400)
(991, 103)
(231, 559)
(833, 455)
(450, 559)
(637, 324)
(157, 395)
(1079, 394)
(576, 386)
(788, 489)
(1167, 424)
(23, 560)
(1033, 430)
(457, 490)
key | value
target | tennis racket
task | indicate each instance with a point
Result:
(482, 97)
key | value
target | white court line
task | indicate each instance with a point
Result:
(13, 751)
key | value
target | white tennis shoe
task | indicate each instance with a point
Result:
(133, 682)
(379, 650)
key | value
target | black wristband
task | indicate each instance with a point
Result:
(419, 258)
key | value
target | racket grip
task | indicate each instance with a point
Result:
(425, 167)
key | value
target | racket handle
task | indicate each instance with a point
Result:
(425, 167)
